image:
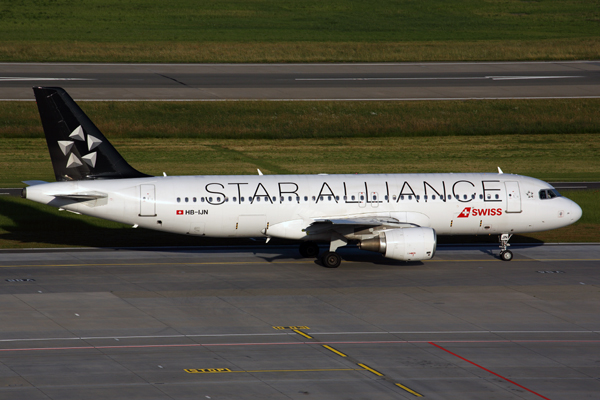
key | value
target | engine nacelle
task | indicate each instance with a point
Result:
(408, 244)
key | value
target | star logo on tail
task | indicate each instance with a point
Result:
(67, 145)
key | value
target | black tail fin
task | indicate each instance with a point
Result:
(78, 149)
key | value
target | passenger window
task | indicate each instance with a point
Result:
(218, 199)
(242, 199)
(480, 197)
(353, 198)
(289, 198)
(202, 199)
(374, 197)
(179, 199)
(210, 199)
(362, 197)
(305, 198)
(386, 197)
(425, 197)
(497, 196)
(187, 200)
(329, 198)
(234, 199)
(250, 199)
(194, 200)
(314, 198)
(449, 197)
(433, 197)
(337, 198)
(410, 197)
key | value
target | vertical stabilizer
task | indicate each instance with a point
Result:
(78, 149)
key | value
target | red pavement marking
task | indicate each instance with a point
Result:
(487, 370)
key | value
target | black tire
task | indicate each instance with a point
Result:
(331, 260)
(506, 255)
(309, 250)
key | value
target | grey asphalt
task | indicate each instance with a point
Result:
(401, 81)
(259, 322)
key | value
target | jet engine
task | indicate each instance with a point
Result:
(408, 244)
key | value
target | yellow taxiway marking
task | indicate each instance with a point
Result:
(370, 369)
(227, 370)
(279, 328)
(302, 333)
(409, 390)
(339, 353)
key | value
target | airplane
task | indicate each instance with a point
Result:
(397, 215)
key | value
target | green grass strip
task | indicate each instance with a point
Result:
(299, 52)
(297, 30)
(294, 120)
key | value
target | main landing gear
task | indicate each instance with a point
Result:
(505, 255)
(309, 249)
(330, 259)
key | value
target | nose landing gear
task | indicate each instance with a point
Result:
(505, 255)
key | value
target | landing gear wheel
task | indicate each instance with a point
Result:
(331, 260)
(309, 250)
(506, 255)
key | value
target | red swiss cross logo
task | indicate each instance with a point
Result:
(465, 213)
(179, 212)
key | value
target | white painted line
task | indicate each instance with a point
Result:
(443, 78)
(278, 334)
(308, 64)
(357, 99)
(27, 79)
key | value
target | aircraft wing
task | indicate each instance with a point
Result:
(344, 225)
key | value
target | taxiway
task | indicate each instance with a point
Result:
(260, 322)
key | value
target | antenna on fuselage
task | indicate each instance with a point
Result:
(500, 171)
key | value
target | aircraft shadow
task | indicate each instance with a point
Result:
(28, 224)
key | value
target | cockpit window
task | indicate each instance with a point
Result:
(549, 194)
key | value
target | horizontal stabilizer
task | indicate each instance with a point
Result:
(84, 196)
(33, 183)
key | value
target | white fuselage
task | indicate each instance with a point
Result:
(285, 205)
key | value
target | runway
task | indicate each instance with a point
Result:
(260, 322)
(215, 82)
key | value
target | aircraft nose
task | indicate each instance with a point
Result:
(575, 211)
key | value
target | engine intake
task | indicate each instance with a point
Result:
(408, 244)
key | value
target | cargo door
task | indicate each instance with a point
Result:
(250, 225)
